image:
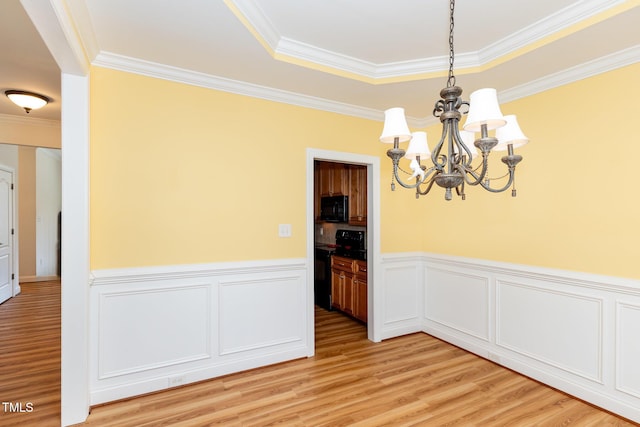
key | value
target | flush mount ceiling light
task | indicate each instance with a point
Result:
(27, 100)
(451, 160)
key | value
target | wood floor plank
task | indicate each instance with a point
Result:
(414, 380)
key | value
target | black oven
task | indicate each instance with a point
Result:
(351, 244)
(322, 278)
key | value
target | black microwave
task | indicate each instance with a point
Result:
(334, 209)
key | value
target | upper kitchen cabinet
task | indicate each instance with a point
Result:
(357, 195)
(333, 179)
(339, 179)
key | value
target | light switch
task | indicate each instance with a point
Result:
(284, 230)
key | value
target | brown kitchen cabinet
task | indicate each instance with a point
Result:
(333, 179)
(349, 286)
(357, 195)
(360, 290)
(338, 179)
(341, 283)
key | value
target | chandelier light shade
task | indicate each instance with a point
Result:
(395, 126)
(27, 100)
(449, 164)
(418, 147)
(510, 134)
(484, 110)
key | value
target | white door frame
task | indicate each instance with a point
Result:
(15, 283)
(374, 282)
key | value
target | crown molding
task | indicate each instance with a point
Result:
(84, 27)
(179, 75)
(287, 49)
(607, 63)
(547, 28)
(117, 62)
(256, 21)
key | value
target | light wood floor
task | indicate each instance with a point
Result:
(30, 355)
(411, 380)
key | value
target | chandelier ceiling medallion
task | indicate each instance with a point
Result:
(451, 159)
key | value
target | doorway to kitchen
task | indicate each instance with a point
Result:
(359, 274)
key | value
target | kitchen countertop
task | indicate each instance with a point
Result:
(326, 246)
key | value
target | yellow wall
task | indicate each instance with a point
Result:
(32, 132)
(577, 206)
(182, 174)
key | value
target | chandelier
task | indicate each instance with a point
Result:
(451, 165)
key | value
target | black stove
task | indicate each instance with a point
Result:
(351, 244)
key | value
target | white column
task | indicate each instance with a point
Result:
(75, 249)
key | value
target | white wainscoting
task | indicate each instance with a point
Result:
(401, 302)
(154, 328)
(628, 348)
(577, 332)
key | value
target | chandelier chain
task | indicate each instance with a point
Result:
(451, 81)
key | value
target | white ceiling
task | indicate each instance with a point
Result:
(352, 56)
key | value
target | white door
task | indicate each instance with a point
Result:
(6, 235)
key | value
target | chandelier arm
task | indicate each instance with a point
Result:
(510, 160)
(479, 177)
(485, 184)
(462, 148)
(439, 160)
(426, 190)
(419, 181)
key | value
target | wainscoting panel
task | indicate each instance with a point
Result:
(559, 328)
(402, 296)
(154, 328)
(171, 326)
(628, 348)
(247, 323)
(458, 300)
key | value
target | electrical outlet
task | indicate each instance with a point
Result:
(176, 381)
